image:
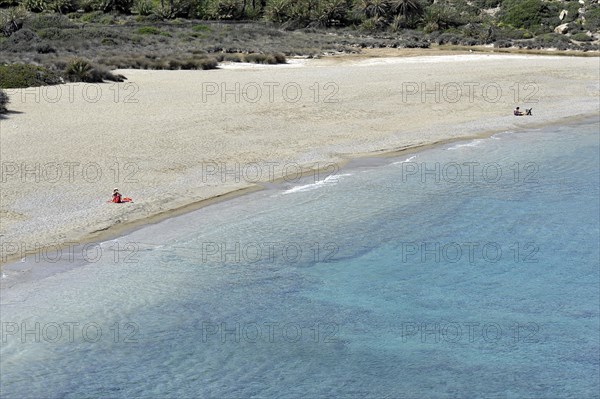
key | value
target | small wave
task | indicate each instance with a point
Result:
(409, 159)
(473, 143)
(312, 186)
(500, 135)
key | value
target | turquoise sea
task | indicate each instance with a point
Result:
(468, 270)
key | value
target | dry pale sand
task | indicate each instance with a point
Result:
(162, 138)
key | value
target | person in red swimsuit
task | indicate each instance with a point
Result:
(116, 197)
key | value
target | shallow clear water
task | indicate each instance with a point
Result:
(467, 270)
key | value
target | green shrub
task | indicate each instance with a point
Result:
(535, 15)
(550, 38)
(503, 44)
(93, 16)
(36, 5)
(229, 57)
(143, 7)
(443, 16)
(3, 101)
(45, 48)
(8, 3)
(448, 38)
(122, 6)
(44, 21)
(265, 58)
(11, 20)
(280, 58)
(177, 8)
(23, 36)
(553, 40)
(80, 70)
(572, 8)
(54, 34)
(372, 24)
(208, 63)
(592, 18)
(486, 3)
(201, 28)
(189, 64)
(15, 76)
(416, 44)
(331, 13)
(62, 6)
(509, 33)
(581, 37)
(278, 10)
(224, 9)
(148, 30)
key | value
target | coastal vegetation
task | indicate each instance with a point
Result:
(53, 41)
(3, 101)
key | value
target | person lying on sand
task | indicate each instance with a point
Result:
(118, 199)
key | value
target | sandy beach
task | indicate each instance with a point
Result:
(169, 139)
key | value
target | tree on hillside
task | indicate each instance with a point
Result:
(407, 8)
(372, 8)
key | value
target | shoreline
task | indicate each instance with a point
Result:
(123, 229)
(171, 134)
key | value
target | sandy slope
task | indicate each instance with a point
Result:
(163, 137)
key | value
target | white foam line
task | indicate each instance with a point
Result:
(406, 160)
(312, 186)
(473, 143)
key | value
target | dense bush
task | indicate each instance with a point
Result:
(23, 36)
(572, 8)
(14, 76)
(11, 20)
(59, 6)
(265, 58)
(45, 21)
(45, 48)
(8, 3)
(441, 16)
(486, 3)
(509, 33)
(581, 37)
(148, 30)
(80, 70)
(553, 40)
(36, 5)
(63, 6)
(143, 7)
(230, 57)
(3, 101)
(535, 15)
(122, 6)
(54, 34)
(592, 18)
